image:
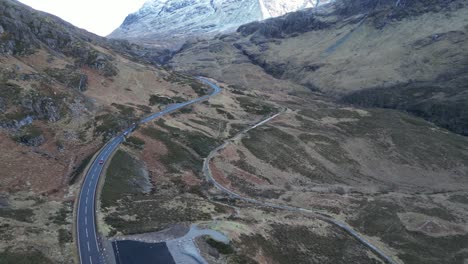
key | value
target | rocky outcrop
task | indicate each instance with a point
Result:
(174, 21)
(23, 30)
(31, 141)
(406, 55)
(69, 77)
(297, 22)
(30, 136)
(380, 13)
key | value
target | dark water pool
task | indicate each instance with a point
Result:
(133, 252)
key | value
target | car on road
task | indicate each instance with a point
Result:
(101, 162)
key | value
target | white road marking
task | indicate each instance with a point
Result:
(86, 208)
(89, 248)
(86, 220)
(115, 143)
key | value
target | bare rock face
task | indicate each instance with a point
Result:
(23, 30)
(177, 20)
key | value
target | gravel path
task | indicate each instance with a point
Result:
(316, 213)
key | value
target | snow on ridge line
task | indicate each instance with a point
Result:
(172, 19)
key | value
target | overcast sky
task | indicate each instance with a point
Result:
(98, 16)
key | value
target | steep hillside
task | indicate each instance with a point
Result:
(398, 179)
(63, 91)
(407, 55)
(170, 22)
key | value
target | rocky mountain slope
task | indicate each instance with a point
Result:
(173, 21)
(398, 180)
(407, 55)
(63, 91)
(386, 171)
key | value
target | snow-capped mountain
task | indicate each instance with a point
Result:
(175, 20)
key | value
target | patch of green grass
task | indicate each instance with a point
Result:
(153, 213)
(284, 151)
(236, 128)
(237, 89)
(379, 218)
(199, 88)
(298, 244)
(214, 124)
(109, 124)
(22, 215)
(222, 248)
(60, 218)
(415, 139)
(24, 257)
(145, 109)
(18, 115)
(29, 135)
(183, 110)
(254, 106)
(121, 177)
(135, 142)
(68, 77)
(125, 110)
(244, 165)
(177, 156)
(159, 99)
(64, 236)
(328, 148)
(80, 168)
(225, 113)
(197, 141)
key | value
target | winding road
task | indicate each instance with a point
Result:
(316, 213)
(90, 249)
(89, 246)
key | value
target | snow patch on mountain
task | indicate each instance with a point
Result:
(177, 20)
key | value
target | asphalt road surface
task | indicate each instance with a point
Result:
(90, 249)
(317, 213)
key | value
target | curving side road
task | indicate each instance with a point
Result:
(88, 242)
(322, 215)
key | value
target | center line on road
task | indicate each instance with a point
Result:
(96, 170)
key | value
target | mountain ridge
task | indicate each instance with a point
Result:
(173, 21)
(366, 53)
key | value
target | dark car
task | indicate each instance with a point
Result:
(101, 162)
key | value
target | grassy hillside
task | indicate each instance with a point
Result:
(411, 57)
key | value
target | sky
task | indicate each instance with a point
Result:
(100, 17)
